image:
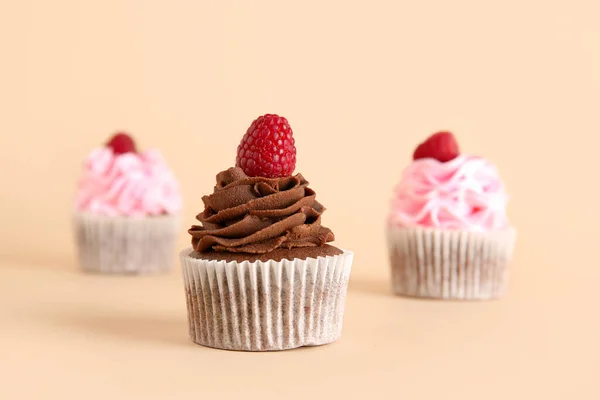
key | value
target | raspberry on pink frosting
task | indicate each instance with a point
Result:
(465, 193)
(129, 184)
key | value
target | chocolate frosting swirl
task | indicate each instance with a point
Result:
(257, 215)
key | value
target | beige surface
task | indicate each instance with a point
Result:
(361, 83)
(69, 335)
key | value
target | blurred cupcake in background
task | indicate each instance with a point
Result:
(126, 210)
(448, 233)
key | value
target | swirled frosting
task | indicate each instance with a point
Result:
(130, 184)
(465, 193)
(257, 215)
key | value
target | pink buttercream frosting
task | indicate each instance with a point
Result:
(465, 193)
(130, 184)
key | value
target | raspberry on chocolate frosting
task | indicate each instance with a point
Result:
(257, 215)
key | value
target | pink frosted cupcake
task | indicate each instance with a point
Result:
(448, 233)
(126, 210)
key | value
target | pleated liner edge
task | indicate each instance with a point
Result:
(126, 245)
(266, 306)
(446, 264)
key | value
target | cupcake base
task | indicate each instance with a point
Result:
(126, 245)
(444, 264)
(265, 305)
(301, 253)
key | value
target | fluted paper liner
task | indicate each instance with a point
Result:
(126, 245)
(265, 306)
(447, 264)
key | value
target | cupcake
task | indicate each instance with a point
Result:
(260, 275)
(448, 233)
(126, 210)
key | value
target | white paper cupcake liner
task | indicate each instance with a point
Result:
(447, 264)
(126, 245)
(265, 306)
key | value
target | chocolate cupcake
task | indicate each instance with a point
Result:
(260, 274)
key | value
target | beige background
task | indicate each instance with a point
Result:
(361, 84)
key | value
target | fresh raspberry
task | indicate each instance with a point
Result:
(442, 146)
(267, 149)
(121, 143)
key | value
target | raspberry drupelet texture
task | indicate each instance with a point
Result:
(267, 149)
